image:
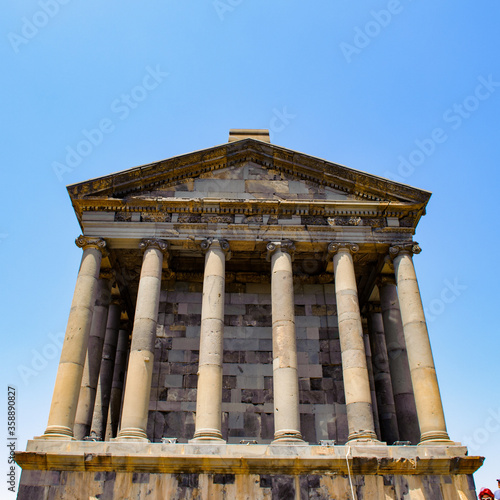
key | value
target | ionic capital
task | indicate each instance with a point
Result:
(335, 247)
(85, 242)
(408, 248)
(223, 244)
(285, 246)
(161, 245)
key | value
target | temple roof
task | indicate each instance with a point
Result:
(282, 172)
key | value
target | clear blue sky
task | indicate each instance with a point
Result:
(398, 88)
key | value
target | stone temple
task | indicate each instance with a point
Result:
(246, 324)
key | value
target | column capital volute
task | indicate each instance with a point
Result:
(161, 245)
(223, 244)
(85, 242)
(286, 246)
(404, 248)
(336, 247)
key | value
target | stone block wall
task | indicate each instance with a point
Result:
(247, 400)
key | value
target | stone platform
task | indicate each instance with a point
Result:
(135, 470)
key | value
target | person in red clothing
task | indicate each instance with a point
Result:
(486, 494)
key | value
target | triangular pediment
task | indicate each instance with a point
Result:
(246, 181)
(276, 164)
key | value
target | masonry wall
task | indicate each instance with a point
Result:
(247, 382)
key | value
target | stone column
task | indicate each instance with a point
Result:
(404, 400)
(103, 393)
(208, 422)
(69, 374)
(140, 367)
(382, 377)
(423, 373)
(86, 399)
(115, 401)
(285, 378)
(354, 368)
(371, 378)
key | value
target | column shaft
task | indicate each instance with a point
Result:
(103, 392)
(356, 383)
(115, 401)
(285, 377)
(404, 400)
(69, 374)
(140, 367)
(208, 424)
(86, 399)
(423, 373)
(382, 378)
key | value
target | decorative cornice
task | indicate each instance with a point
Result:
(85, 242)
(408, 248)
(161, 245)
(286, 246)
(291, 162)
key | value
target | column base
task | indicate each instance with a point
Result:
(435, 438)
(212, 435)
(132, 434)
(288, 436)
(58, 432)
(365, 437)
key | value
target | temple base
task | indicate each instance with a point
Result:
(106, 470)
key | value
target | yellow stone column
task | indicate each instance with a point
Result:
(356, 382)
(208, 424)
(90, 378)
(423, 373)
(140, 367)
(285, 377)
(69, 374)
(406, 411)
